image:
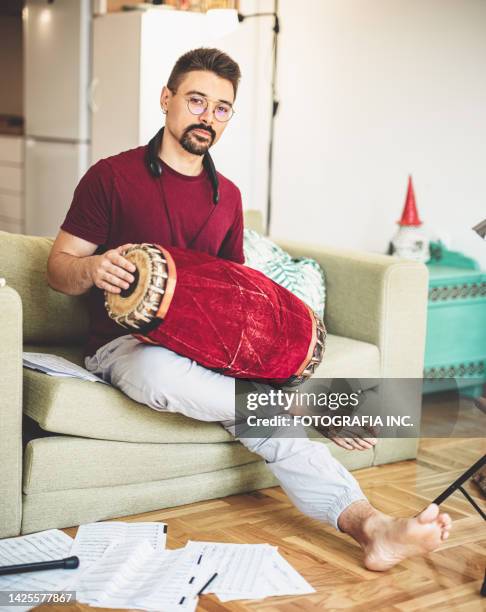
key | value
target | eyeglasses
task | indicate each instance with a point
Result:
(198, 104)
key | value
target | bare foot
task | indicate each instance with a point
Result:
(388, 541)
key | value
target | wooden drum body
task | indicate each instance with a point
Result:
(223, 315)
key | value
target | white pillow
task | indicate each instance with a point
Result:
(303, 276)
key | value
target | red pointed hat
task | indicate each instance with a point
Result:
(410, 215)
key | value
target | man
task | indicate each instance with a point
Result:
(121, 201)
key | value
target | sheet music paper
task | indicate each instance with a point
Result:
(43, 546)
(278, 578)
(250, 571)
(126, 565)
(57, 366)
(133, 574)
(239, 565)
(93, 539)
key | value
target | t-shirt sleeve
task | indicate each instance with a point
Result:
(232, 247)
(89, 214)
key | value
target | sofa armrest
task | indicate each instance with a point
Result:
(10, 412)
(377, 299)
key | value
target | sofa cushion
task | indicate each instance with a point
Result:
(58, 509)
(58, 463)
(77, 462)
(94, 410)
(348, 358)
(49, 316)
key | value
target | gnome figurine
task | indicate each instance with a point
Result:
(480, 228)
(410, 242)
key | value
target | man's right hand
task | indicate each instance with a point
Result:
(111, 271)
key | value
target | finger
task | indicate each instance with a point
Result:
(358, 437)
(120, 273)
(107, 287)
(114, 258)
(371, 441)
(121, 250)
(361, 444)
(354, 439)
(124, 247)
(352, 443)
(364, 443)
(115, 281)
(342, 443)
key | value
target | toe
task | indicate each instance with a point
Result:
(429, 514)
(444, 521)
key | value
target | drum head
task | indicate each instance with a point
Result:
(138, 305)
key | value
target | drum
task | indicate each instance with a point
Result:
(223, 315)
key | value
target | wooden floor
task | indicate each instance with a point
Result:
(448, 579)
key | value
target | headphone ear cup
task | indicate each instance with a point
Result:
(155, 168)
(153, 161)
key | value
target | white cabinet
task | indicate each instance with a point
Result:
(11, 184)
(53, 170)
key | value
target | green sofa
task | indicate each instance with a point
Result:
(72, 451)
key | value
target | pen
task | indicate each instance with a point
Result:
(67, 563)
(202, 589)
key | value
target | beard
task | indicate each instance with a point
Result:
(196, 143)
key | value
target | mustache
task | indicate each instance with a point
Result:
(198, 126)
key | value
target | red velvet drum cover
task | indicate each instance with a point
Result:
(231, 318)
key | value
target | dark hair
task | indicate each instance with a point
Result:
(213, 60)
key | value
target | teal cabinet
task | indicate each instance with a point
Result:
(456, 327)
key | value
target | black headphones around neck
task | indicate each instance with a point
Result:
(154, 163)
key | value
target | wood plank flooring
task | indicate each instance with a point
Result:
(448, 579)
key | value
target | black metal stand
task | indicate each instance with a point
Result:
(457, 486)
(275, 103)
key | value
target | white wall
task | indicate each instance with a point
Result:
(370, 91)
(242, 152)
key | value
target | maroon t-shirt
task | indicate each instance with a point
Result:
(118, 201)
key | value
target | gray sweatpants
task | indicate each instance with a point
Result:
(165, 381)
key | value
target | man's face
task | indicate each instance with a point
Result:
(196, 133)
